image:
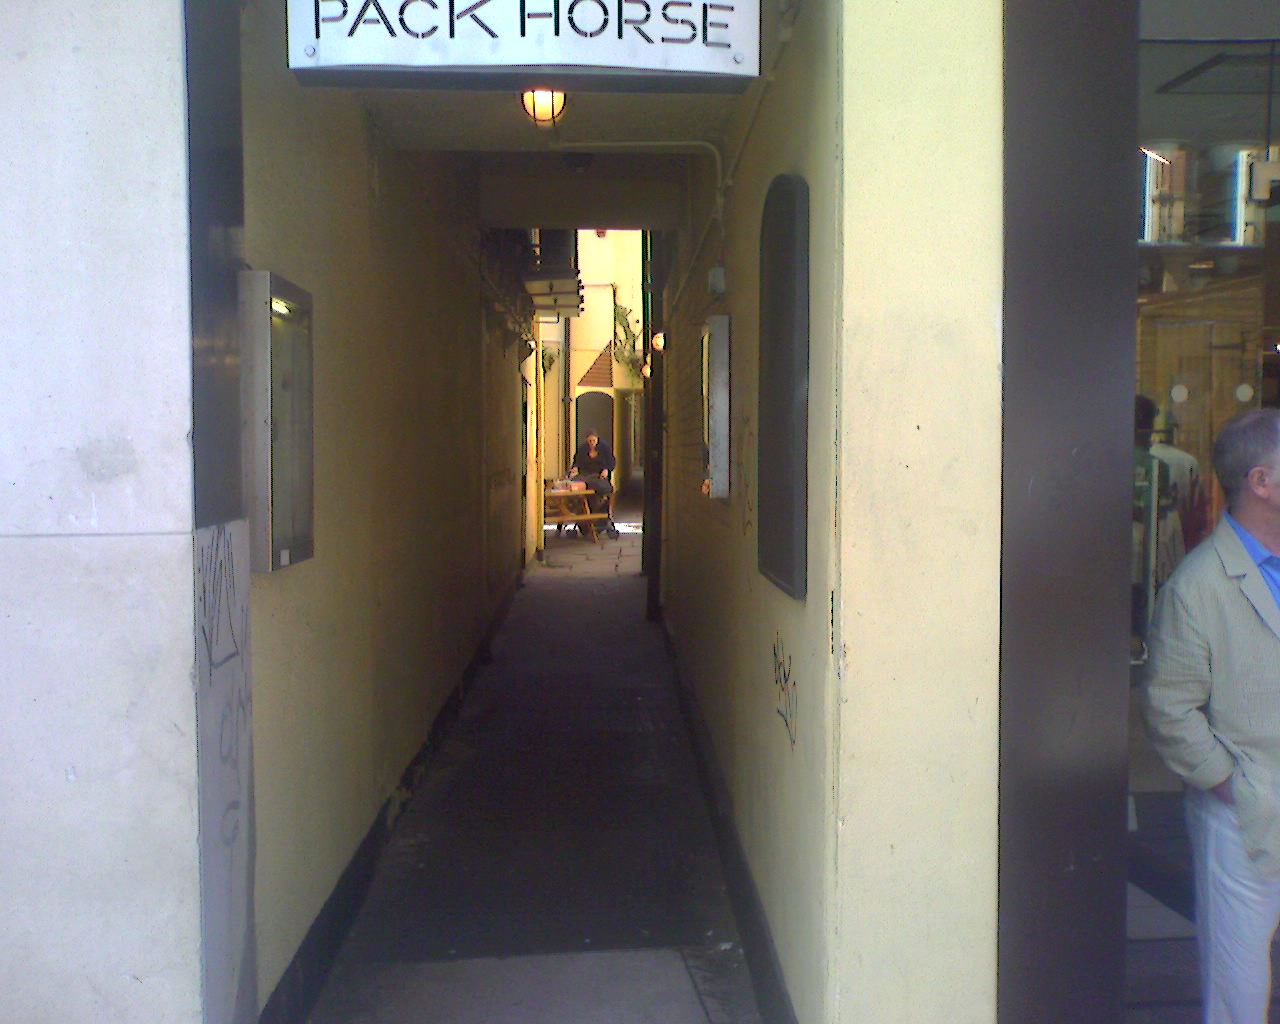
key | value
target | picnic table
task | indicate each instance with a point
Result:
(565, 505)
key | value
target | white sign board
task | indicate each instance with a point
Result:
(718, 38)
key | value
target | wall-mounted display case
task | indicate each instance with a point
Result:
(276, 396)
(715, 405)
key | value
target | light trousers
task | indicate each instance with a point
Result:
(1237, 910)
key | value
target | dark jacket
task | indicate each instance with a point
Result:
(604, 459)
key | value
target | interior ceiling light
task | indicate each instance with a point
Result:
(1154, 155)
(280, 308)
(544, 107)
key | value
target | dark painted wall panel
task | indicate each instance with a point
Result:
(229, 953)
(217, 240)
(1070, 268)
(783, 403)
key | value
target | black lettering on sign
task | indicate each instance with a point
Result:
(635, 23)
(589, 33)
(426, 33)
(381, 19)
(708, 24)
(673, 21)
(456, 16)
(527, 16)
(332, 17)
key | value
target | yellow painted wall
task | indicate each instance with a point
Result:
(610, 267)
(872, 838)
(555, 461)
(531, 372)
(355, 651)
(614, 259)
(726, 619)
(919, 512)
(589, 333)
(628, 190)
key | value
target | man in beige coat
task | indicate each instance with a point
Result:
(1212, 703)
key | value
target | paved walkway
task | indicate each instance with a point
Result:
(558, 863)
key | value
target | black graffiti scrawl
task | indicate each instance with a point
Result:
(785, 687)
(217, 601)
(224, 723)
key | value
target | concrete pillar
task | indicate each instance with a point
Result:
(98, 868)
(919, 508)
(986, 371)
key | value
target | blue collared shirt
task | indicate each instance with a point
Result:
(1268, 564)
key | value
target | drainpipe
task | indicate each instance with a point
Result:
(651, 540)
(567, 358)
(646, 329)
(533, 499)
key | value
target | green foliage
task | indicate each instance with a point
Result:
(625, 346)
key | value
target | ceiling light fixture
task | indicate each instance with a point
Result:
(659, 342)
(1154, 155)
(544, 107)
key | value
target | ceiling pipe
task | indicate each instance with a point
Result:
(724, 180)
(1271, 91)
(786, 23)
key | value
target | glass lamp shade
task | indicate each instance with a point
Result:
(543, 106)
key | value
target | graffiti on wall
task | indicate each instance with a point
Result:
(224, 720)
(784, 684)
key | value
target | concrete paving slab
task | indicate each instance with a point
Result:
(645, 987)
(557, 861)
(1148, 918)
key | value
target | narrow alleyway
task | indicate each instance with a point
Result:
(558, 864)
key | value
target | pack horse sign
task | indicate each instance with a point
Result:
(632, 45)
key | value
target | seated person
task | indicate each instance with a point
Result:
(594, 461)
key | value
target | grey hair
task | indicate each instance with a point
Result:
(1248, 440)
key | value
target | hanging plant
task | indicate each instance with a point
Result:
(625, 345)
